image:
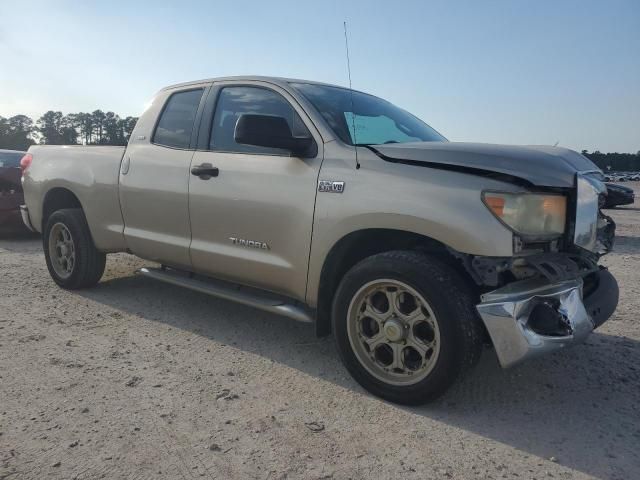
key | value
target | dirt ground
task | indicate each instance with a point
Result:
(137, 379)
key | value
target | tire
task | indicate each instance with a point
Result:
(447, 330)
(74, 263)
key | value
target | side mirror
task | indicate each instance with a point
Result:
(270, 131)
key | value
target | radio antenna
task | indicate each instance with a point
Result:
(353, 113)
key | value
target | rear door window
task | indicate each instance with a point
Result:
(175, 126)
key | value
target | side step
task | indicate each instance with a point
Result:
(253, 297)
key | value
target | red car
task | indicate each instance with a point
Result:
(11, 196)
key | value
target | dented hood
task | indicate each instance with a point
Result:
(537, 165)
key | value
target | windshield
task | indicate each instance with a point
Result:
(364, 119)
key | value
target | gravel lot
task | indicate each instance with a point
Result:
(137, 379)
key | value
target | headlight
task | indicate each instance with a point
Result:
(529, 214)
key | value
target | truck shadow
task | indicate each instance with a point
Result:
(581, 407)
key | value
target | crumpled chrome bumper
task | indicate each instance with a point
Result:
(531, 317)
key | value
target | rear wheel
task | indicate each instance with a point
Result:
(72, 258)
(405, 326)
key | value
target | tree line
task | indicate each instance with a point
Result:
(615, 162)
(54, 128)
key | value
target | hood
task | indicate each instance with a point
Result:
(537, 165)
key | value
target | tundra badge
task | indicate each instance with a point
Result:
(249, 243)
(330, 187)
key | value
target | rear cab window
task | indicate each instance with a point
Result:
(176, 123)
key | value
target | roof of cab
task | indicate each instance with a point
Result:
(275, 80)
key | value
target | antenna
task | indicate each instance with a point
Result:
(353, 113)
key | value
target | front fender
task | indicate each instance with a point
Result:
(442, 205)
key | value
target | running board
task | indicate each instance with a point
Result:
(253, 297)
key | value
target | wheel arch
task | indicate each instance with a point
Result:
(360, 244)
(58, 198)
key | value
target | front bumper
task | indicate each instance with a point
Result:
(24, 212)
(532, 317)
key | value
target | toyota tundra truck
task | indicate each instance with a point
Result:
(332, 206)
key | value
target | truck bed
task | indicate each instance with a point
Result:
(92, 174)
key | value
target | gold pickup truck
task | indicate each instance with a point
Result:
(331, 206)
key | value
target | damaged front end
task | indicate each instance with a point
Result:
(532, 317)
(548, 296)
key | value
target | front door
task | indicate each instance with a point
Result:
(252, 222)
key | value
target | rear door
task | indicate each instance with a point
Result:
(252, 222)
(154, 178)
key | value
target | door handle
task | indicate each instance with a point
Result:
(124, 169)
(205, 171)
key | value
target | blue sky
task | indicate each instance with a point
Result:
(509, 71)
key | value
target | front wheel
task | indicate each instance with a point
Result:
(72, 258)
(405, 326)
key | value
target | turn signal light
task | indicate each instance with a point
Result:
(495, 204)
